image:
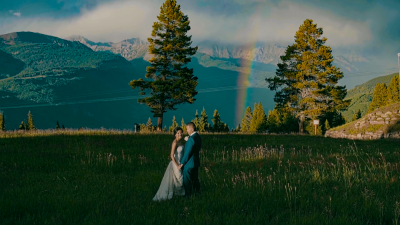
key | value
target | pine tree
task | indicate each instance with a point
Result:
(2, 122)
(174, 125)
(63, 127)
(149, 125)
(172, 83)
(196, 120)
(379, 97)
(306, 81)
(245, 125)
(217, 123)
(358, 114)
(262, 118)
(183, 125)
(273, 122)
(327, 127)
(254, 119)
(203, 121)
(22, 126)
(58, 125)
(29, 124)
(394, 89)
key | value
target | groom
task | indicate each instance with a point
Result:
(191, 161)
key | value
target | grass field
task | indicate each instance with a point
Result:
(110, 177)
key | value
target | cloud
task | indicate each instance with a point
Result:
(17, 14)
(272, 23)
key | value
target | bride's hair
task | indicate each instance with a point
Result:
(177, 129)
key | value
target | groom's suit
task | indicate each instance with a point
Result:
(191, 163)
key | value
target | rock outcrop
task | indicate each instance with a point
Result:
(381, 123)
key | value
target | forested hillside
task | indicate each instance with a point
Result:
(361, 95)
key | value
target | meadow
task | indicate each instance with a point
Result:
(110, 177)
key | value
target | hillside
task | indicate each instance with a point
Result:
(361, 95)
(381, 123)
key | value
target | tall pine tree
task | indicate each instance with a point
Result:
(2, 122)
(306, 81)
(394, 89)
(196, 120)
(149, 125)
(379, 97)
(57, 125)
(254, 119)
(203, 121)
(22, 126)
(169, 81)
(245, 125)
(174, 125)
(217, 123)
(183, 125)
(29, 124)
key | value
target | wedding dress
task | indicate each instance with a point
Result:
(172, 182)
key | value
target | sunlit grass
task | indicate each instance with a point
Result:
(110, 176)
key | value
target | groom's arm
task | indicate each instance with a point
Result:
(187, 151)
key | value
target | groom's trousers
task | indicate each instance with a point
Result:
(191, 180)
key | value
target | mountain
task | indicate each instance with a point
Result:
(361, 95)
(129, 49)
(68, 81)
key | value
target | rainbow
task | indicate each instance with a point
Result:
(245, 75)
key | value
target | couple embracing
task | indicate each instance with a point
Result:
(182, 174)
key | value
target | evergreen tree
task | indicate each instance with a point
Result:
(217, 123)
(306, 81)
(226, 127)
(2, 122)
(262, 118)
(259, 119)
(288, 122)
(245, 125)
(63, 127)
(149, 125)
(379, 97)
(183, 125)
(165, 128)
(174, 125)
(327, 127)
(394, 90)
(254, 119)
(358, 114)
(209, 127)
(172, 81)
(196, 120)
(22, 126)
(29, 124)
(58, 125)
(273, 122)
(203, 121)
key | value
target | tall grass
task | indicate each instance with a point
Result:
(110, 177)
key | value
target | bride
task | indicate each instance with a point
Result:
(172, 182)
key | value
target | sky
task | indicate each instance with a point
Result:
(367, 27)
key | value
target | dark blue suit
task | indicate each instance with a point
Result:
(191, 163)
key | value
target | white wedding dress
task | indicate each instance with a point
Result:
(172, 182)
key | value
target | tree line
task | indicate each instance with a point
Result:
(384, 95)
(27, 125)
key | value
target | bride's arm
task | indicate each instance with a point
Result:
(172, 152)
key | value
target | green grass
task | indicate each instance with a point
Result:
(110, 177)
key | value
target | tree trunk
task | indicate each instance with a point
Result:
(159, 123)
(301, 124)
